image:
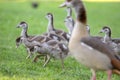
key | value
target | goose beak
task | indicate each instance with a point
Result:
(101, 31)
(17, 26)
(65, 21)
(46, 17)
(62, 5)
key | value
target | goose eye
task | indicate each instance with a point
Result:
(21, 25)
(70, 19)
(49, 15)
(24, 25)
(107, 30)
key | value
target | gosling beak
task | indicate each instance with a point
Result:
(46, 16)
(18, 26)
(101, 31)
(63, 5)
(64, 20)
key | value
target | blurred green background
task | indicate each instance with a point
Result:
(14, 66)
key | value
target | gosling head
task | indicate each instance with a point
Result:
(106, 30)
(69, 22)
(69, 19)
(22, 25)
(49, 16)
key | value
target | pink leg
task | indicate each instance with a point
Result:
(109, 72)
(93, 74)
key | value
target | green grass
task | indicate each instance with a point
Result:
(14, 66)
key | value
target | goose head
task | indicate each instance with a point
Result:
(80, 11)
(106, 30)
(70, 3)
(67, 3)
(22, 25)
(49, 16)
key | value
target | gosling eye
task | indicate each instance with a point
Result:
(49, 15)
(107, 30)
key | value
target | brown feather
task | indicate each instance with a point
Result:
(103, 48)
(116, 71)
(116, 63)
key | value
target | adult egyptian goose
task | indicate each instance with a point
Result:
(114, 43)
(88, 50)
(53, 49)
(51, 28)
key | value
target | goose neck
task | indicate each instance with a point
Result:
(107, 38)
(81, 21)
(80, 11)
(70, 28)
(24, 32)
(50, 25)
(69, 12)
(80, 27)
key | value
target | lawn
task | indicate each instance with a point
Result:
(14, 66)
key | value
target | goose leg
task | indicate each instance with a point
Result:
(36, 57)
(93, 74)
(62, 63)
(109, 72)
(48, 59)
(29, 53)
(62, 60)
(45, 58)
